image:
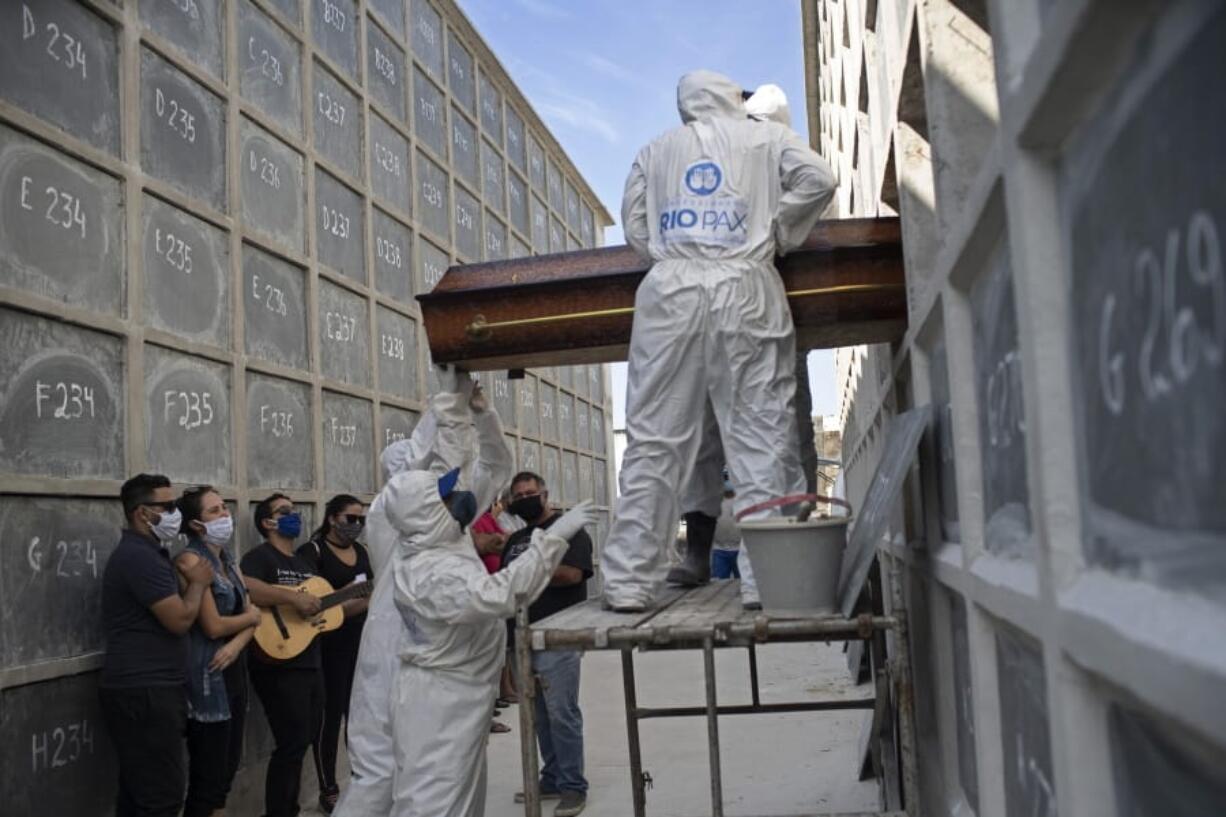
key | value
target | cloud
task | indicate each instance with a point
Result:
(578, 113)
(544, 9)
(611, 69)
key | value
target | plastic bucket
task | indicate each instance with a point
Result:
(796, 564)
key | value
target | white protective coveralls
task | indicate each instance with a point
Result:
(442, 440)
(711, 203)
(454, 612)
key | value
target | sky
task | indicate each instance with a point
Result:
(602, 74)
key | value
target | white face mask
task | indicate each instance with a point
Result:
(167, 527)
(219, 531)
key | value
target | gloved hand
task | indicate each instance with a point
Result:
(574, 520)
(479, 403)
(454, 381)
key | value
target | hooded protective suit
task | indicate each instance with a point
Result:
(442, 440)
(711, 202)
(454, 612)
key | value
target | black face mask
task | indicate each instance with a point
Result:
(528, 508)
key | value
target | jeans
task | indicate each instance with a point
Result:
(215, 749)
(293, 700)
(559, 722)
(146, 725)
(723, 564)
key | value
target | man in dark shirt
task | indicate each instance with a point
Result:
(559, 721)
(292, 691)
(144, 702)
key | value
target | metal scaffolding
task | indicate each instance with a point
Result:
(707, 618)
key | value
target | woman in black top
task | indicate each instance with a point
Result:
(337, 556)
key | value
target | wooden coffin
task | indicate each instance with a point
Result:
(845, 287)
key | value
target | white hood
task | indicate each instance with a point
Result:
(419, 515)
(707, 95)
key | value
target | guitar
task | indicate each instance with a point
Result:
(283, 633)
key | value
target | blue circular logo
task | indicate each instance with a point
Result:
(703, 178)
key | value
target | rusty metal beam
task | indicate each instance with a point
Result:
(845, 286)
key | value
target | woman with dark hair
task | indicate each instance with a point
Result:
(216, 666)
(336, 555)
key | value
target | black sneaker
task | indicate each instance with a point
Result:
(572, 803)
(327, 800)
(546, 794)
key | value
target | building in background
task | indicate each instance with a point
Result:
(215, 218)
(828, 440)
(1061, 545)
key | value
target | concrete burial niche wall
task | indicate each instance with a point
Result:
(214, 217)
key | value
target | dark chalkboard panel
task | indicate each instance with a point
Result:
(566, 419)
(344, 335)
(1002, 414)
(187, 418)
(529, 418)
(60, 62)
(397, 424)
(291, 10)
(389, 166)
(540, 225)
(964, 700)
(61, 399)
(187, 270)
(943, 443)
(580, 386)
(270, 65)
(461, 74)
(529, 456)
(464, 158)
(493, 177)
(518, 249)
(557, 235)
(51, 570)
(182, 131)
(503, 392)
(873, 516)
(598, 430)
(391, 12)
(429, 113)
(1158, 769)
(334, 27)
(587, 232)
(568, 491)
(585, 477)
(385, 74)
(600, 482)
(583, 419)
(495, 238)
(433, 198)
(272, 187)
(536, 163)
(548, 408)
(393, 257)
(517, 197)
(274, 299)
(1030, 786)
(572, 207)
(553, 182)
(61, 226)
(431, 264)
(57, 755)
(467, 225)
(491, 109)
(572, 243)
(517, 140)
(279, 449)
(397, 354)
(551, 466)
(427, 36)
(595, 377)
(194, 26)
(349, 457)
(338, 122)
(1149, 318)
(340, 227)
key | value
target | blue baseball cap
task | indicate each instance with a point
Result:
(447, 482)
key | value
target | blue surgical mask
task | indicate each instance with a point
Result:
(463, 507)
(290, 525)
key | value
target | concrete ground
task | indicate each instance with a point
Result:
(800, 763)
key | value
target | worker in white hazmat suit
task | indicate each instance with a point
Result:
(711, 203)
(455, 615)
(700, 499)
(459, 430)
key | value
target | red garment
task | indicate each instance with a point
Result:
(487, 524)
